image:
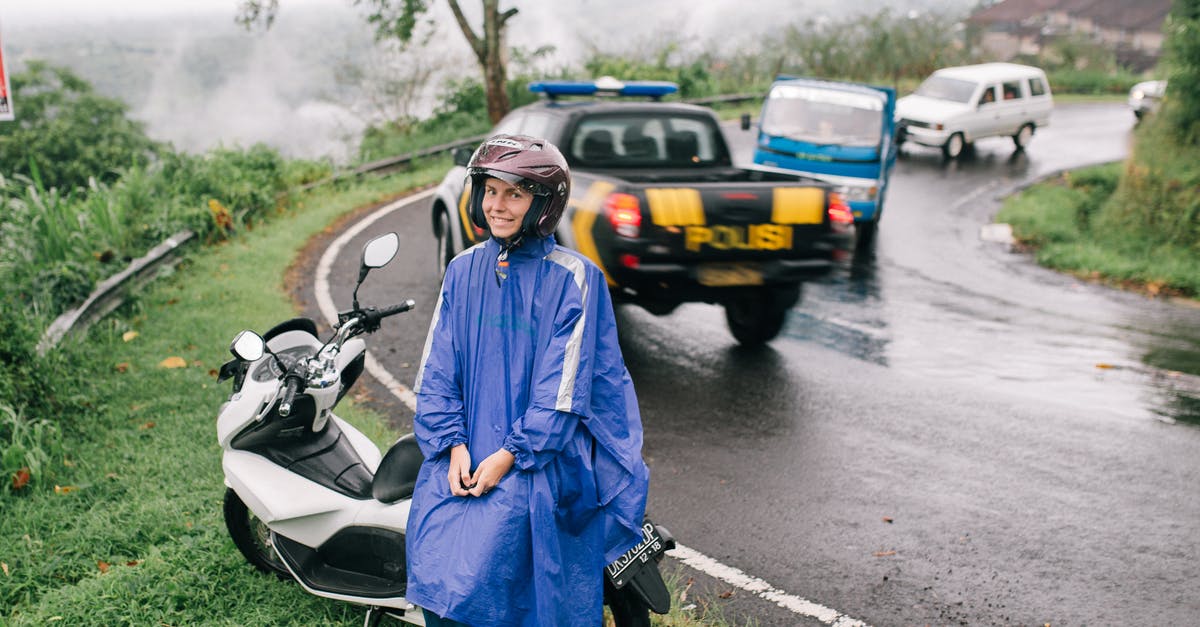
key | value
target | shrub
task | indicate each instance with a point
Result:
(1159, 192)
(1183, 63)
(68, 132)
(1091, 81)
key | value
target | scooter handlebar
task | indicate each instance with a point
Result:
(396, 309)
(371, 316)
(291, 384)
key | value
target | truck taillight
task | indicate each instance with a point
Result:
(624, 214)
(839, 211)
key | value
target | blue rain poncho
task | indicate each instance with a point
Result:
(529, 363)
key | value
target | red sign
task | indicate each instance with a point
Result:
(6, 112)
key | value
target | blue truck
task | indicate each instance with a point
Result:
(841, 133)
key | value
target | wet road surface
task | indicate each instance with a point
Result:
(932, 440)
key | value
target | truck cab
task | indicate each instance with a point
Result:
(838, 132)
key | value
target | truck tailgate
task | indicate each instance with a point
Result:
(733, 222)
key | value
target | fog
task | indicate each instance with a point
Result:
(198, 80)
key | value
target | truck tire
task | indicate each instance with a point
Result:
(445, 242)
(864, 233)
(251, 536)
(756, 320)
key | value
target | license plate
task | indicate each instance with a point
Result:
(721, 275)
(631, 563)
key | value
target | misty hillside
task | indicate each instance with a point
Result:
(311, 84)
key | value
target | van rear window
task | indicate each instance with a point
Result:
(1037, 87)
(943, 88)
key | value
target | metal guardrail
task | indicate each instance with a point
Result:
(112, 291)
(388, 164)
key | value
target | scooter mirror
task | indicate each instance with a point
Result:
(248, 346)
(379, 251)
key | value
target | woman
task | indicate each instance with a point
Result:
(523, 374)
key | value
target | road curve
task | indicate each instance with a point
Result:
(931, 441)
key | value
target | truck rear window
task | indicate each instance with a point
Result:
(620, 141)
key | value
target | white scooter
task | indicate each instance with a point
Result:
(311, 498)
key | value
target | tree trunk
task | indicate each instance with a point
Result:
(494, 59)
(491, 52)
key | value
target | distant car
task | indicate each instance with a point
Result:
(958, 105)
(1146, 96)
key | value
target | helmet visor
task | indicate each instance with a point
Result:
(515, 180)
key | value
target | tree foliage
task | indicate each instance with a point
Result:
(872, 47)
(398, 19)
(65, 133)
(1183, 61)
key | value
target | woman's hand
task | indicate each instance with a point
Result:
(491, 470)
(460, 470)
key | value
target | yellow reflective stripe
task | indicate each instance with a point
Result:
(584, 218)
(464, 219)
(675, 206)
(798, 205)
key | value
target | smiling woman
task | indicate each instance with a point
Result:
(504, 206)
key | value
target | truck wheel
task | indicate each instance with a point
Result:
(953, 147)
(1024, 134)
(659, 307)
(864, 233)
(251, 536)
(445, 242)
(756, 320)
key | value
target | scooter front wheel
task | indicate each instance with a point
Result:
(252, 537)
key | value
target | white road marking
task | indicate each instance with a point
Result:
(329, 310)
(690, 557)
(760, 588)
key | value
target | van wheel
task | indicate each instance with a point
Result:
(953, 147)
(1024, 134)
(445, 242)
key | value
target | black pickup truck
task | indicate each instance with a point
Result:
(657, 203)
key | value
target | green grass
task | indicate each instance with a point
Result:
(130, 530)
(1066, 223)
(140, 484)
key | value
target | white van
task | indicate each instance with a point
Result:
(958, 105)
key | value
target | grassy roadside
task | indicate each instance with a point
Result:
(131, 532)
(1065, 223)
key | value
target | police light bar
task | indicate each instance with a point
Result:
(606, 85)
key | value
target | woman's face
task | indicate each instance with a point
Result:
(504, 207)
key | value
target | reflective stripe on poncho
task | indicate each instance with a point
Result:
(529, 363)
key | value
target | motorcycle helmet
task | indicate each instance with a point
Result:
(534, 165)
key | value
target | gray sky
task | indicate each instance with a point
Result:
(15, 12)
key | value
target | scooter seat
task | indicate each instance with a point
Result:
(397, 474)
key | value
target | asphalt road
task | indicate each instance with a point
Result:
(944, 434)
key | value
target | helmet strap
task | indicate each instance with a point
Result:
(502, 258)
